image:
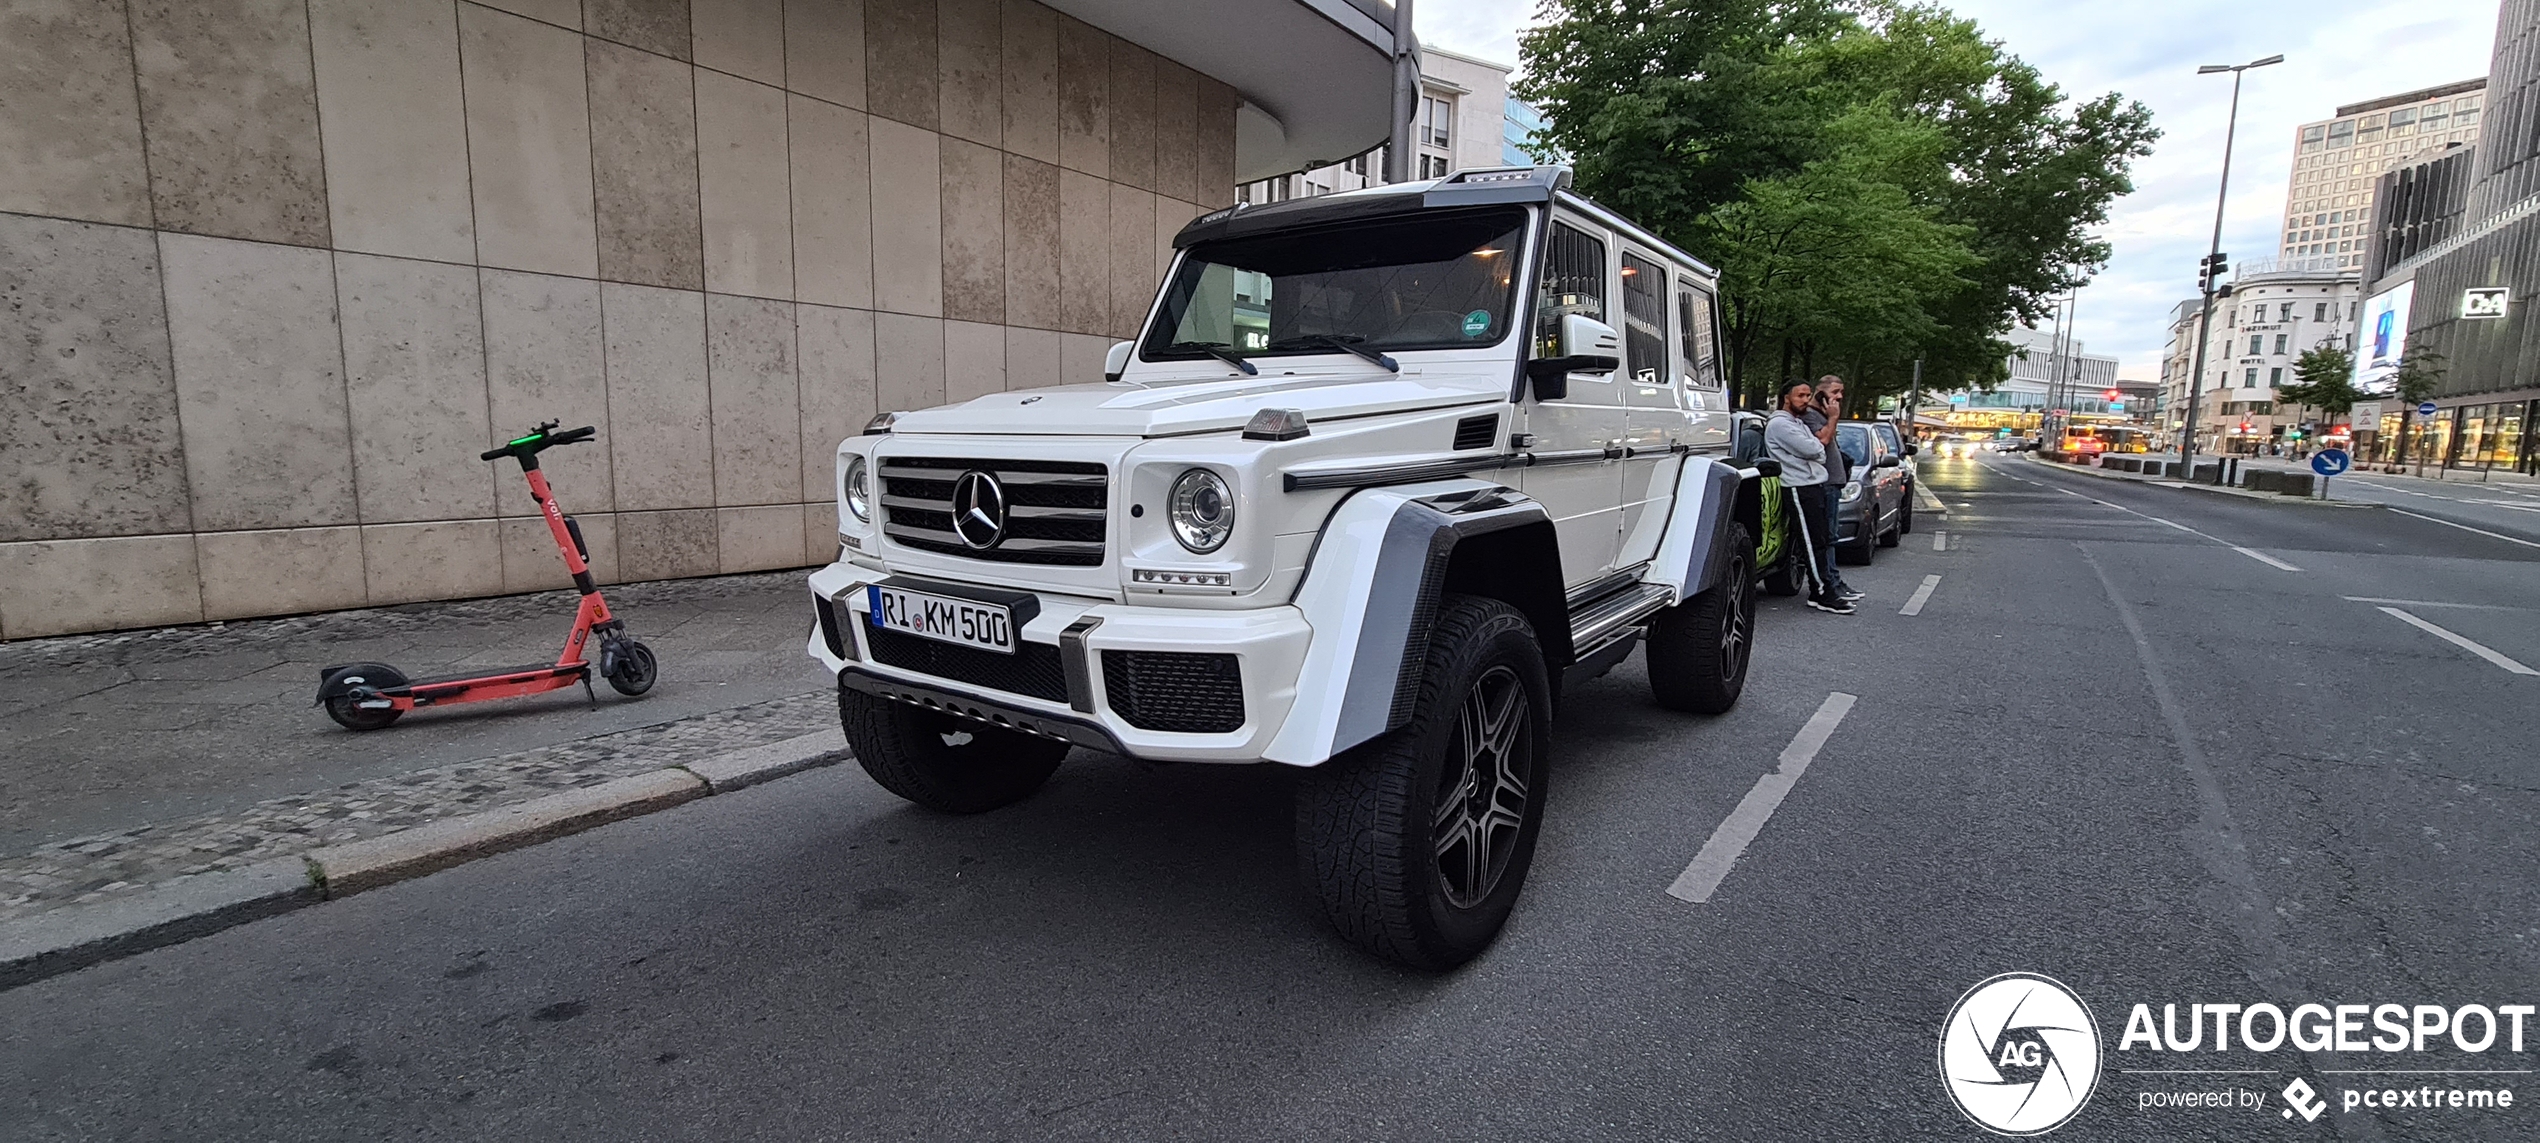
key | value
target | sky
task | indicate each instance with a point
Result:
(2336, 52)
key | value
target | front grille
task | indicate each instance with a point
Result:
(1175, 690)
(1055, 509)
(1033, 669)
(1477, 432)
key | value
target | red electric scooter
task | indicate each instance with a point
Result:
(369, 696)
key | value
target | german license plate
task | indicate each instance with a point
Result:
(969, 623)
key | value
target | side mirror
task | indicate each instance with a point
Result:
(1889, 462)
(1911, 448)
(1116, 362)
(1768, 467)
(1584, 336)
(1550, 376)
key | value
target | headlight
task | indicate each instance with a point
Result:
(1202, 511)
(1852, 490)
(859, 493)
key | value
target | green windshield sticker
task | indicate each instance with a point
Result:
(1477, 323)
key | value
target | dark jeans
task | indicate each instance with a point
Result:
(1816, 522)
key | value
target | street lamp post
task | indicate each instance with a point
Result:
(2213, 253)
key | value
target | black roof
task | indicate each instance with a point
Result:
(1481, 187)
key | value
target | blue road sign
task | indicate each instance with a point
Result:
(2427, 409)
(2331, 461)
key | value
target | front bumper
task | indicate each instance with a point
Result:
(1268, 643)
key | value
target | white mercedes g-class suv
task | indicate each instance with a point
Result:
(1377, 481)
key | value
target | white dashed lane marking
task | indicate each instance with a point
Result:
(1940, 541)
(1703, 875)
(2466, 528)
(2461, 641)
(1922, 595)
(2252, 553)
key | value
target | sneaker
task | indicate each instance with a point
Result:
(1850, 593)
(1832, 603)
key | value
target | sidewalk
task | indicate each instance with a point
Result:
(135, 758)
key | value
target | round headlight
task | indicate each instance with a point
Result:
(859, 494)
(1202, 511)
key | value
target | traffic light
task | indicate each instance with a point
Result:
(2210, 270)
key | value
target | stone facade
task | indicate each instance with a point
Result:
(276, 270)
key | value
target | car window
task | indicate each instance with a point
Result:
(1750, 438)
(1854, 440)
(1644, 321)
(1887, 437)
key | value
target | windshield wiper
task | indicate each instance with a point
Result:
(1218, 350)
(1345, 342)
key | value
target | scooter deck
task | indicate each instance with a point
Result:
(437, 688)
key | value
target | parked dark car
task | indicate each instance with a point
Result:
(1871, 512)
(1896, 443)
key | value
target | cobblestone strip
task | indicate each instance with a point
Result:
(85, 870)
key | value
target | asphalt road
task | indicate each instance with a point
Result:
(2503, 507)
(2160, 744)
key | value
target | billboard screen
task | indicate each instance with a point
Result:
(2381, 336)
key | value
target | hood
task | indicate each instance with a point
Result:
(1156, 408)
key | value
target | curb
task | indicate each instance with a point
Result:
(67, 940)
(2193, 485)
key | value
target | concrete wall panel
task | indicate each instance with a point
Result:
(88, 429)
(758, 446)
(1031, 244)
(70, 142)
(1084, 253)
(1084, 97)
(760, 538)
(414, 374)
(1030, 75)
(970, 50)
(55, 586)
(668, 545)
(529, 144)
(902, 80)
(974, 360)
(280, 571)
(908, 359)
(1031, 358)
(824, 50)
(835, 348)
(657, 26)
(1216, 161)
(1176, 128)
(1132, 259)
(561, 13)
(448, 559)
(745, 187)
(820, 533)
(1080, 358)
(394, 126)
(543, 363)
(259, 382)
(660, 442)
(229, 109)
(1132, 115)
(832, 188)
(644, 167)
(743, 37)
(908, 203)
(974, 231)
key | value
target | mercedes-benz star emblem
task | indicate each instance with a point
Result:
(978, 510)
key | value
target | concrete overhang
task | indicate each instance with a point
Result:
(1315, 76)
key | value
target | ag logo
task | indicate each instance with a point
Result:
(2020, 1054)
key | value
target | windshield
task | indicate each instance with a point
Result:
(1854, 440)
(1425, 281)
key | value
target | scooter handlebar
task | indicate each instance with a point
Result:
(533, 444)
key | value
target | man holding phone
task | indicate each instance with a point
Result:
(1822, 415)
(1802, 453)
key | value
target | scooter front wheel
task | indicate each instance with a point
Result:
(634, 670)
(345, 712)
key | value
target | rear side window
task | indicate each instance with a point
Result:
(1573, 283)
(1644, 320)
(1854, 440)
(1701, 345)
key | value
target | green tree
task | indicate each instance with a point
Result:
(2324, 379)
(2414, 379)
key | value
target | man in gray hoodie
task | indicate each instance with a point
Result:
(1802, 453)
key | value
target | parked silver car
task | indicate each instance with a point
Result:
(1875, 509)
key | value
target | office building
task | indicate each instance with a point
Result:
(278, 272)
(2338, 162)
(1463, 121)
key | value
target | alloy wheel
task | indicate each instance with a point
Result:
(1481, 798)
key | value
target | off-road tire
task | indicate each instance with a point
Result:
(1699, 649)
(911, 751)
(1367, 822)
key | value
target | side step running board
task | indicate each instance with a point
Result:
(1590, 625)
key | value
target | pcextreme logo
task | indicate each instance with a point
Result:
(2020, 1054)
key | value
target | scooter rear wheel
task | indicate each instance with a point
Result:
(351, 717)
(635, 669)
